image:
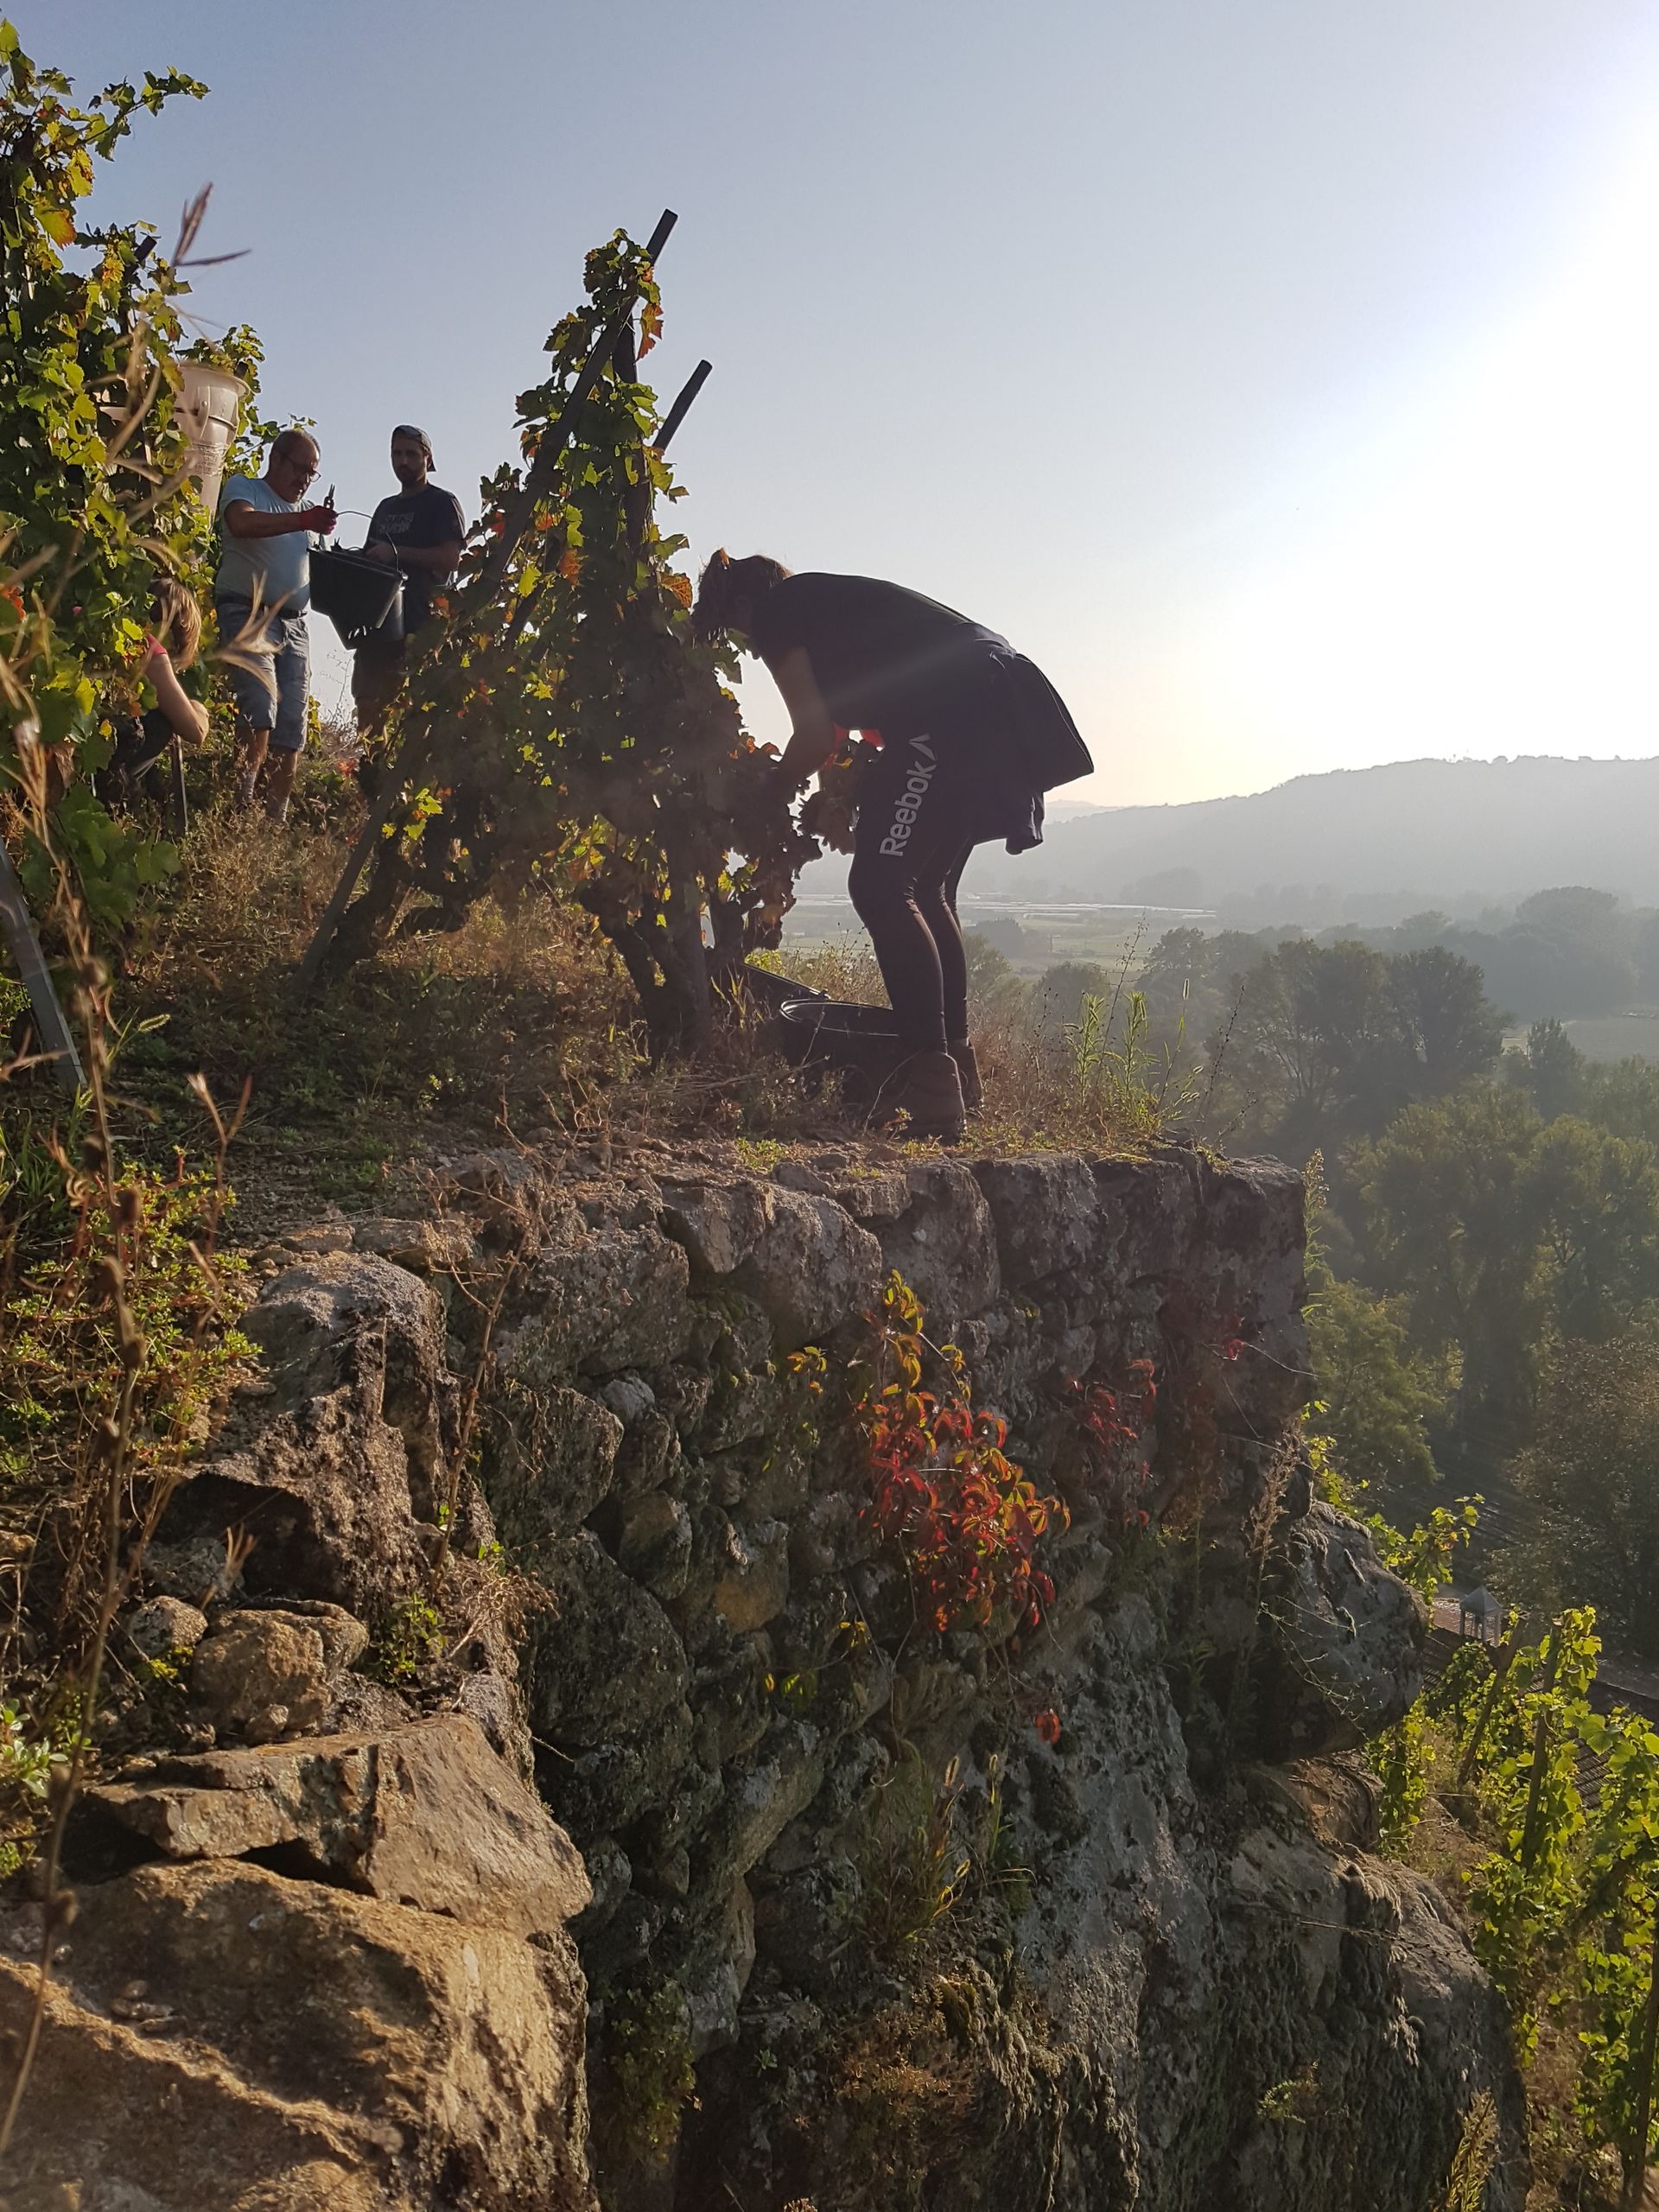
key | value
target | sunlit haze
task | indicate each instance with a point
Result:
(1282, 378)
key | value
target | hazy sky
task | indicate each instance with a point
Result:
(1281, 374)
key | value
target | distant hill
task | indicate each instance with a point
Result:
(1455, 834)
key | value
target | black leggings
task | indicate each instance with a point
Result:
(920, 813)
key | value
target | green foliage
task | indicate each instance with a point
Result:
(1424, 1557)
(1565, 1903)
(1293, 2103)
(1135, 1088)
(1473, 2159)
(567, 728)
(653, 2077)
(410, 1641)
(93, 495)
(1551, 1070)
(1495, 1229)
(29, 1764)
(1422, 1560)
(916, 1861)
(1590, 1477)
(1375, 1398)
(1523, 1897)
(1402, 1759)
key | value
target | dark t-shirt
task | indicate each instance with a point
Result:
(428, 516)
(880, 654)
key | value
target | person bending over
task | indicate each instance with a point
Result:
(971, 736)
(141, 738)
(261, 593)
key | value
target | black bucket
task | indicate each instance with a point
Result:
(362, 598)
(833, 1032)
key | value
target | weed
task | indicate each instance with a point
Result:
(759, 1154)
(965, 1516)
(411, 1638)
(1473, 2159)
(1293, 2102)
(648, 2051)
(915, 1863)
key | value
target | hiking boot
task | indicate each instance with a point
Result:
(927, 1089)
(973, 1090)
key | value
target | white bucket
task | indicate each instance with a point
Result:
(208, 402)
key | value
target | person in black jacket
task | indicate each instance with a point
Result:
(971, 736)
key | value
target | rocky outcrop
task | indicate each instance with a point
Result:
(220, 2036)
(1091, 1891)
(425, 1815)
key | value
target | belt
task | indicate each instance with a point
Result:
(280, 613)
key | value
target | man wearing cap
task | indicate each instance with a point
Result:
(261, 591)
(420, 528)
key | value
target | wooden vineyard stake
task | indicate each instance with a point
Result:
(677, 414)
(179, 812)
(515, 521)
(56, 1037)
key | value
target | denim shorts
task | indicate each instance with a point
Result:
(270, 686)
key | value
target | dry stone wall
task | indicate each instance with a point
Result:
(1083, 1918)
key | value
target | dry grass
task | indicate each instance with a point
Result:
(513, 1022)
(1094, 1085)
(521, 1021)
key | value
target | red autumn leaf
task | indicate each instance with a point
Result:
(1047, 1724)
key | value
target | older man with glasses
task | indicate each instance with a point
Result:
(260, 594)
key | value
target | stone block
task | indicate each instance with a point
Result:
(943, 1243)
(751, 1582)
(262, 1676)
(425, 1815)
(1044, 1208)
(288, 2046)
(811, 1268)
(548, 1458)
(718, 1223)
(164, 1625)
(604, 1660)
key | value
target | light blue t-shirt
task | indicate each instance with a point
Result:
(280, 568)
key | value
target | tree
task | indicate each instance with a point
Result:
(1059, 992)
(1449, 1196)
(1597, 1198)
(1376, 1397)
(1191, 981)
(1326, 1042)
(1499, 1232)
(995, 992)
(1622, 1098)
(1551, 1070)
(1446, 1026)
(1568, 951)
(1590, 1479)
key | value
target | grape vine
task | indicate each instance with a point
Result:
(94, 497)
(565, 731)
(1565, 1901)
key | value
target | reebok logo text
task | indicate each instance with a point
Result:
(910, 799)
